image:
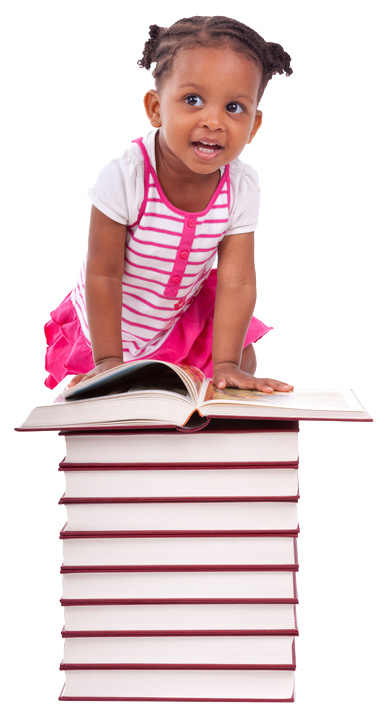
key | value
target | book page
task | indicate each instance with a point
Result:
(307, 399)
(133, 376)
(193, 379)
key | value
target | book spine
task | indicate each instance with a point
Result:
(64, 534)
(147, 466)
(186, 600)
(66, 634)
(171, 499)
(64, 666)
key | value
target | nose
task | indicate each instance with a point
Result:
(212, 118)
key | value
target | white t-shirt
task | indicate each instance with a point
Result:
(119, 189)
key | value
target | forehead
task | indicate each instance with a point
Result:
(218, 66)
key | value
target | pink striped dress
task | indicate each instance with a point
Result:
(168, 287)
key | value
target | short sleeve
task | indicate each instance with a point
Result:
(119, 189)
(245, 199)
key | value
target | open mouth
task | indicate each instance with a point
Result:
(204, 149)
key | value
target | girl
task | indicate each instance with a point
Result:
(163, 211)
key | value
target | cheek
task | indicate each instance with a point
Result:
(171, 117)
(177, 124)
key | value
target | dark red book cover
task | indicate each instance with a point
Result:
(70, 466)
(170, 499)
(99, 602)
(182, 633)
(125, 534)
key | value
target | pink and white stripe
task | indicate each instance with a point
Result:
(168, 255)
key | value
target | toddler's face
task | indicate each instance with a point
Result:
(206, 109)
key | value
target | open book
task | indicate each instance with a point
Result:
(154, 393)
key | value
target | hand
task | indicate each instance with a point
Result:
(230, 375)
(104, 365)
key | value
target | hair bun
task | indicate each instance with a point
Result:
(278, 60)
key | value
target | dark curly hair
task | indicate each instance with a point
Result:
(164, 43)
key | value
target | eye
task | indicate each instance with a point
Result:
(235, 108)
(194, 100)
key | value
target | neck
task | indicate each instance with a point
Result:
(186, 190)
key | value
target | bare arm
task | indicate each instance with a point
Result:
(234, 305)
(104, 271)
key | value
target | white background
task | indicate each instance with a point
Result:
(72, 100)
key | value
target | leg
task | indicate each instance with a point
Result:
(248, 362)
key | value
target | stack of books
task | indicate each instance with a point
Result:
(180, 557)
(180, 547)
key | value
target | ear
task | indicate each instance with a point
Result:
(152, 107)
(256, 125)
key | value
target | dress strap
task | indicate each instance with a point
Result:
(143, 149)
(147, 169)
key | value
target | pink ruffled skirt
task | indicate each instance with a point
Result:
(190, 342)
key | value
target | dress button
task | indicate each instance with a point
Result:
(176, 280)
(191, 222)
(184, 254)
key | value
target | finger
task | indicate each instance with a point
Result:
(260, 385)
(221, 384)
(246, 381)
(75, 380)
(266, 386)
(278, 385)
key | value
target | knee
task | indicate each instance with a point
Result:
(248, 362)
